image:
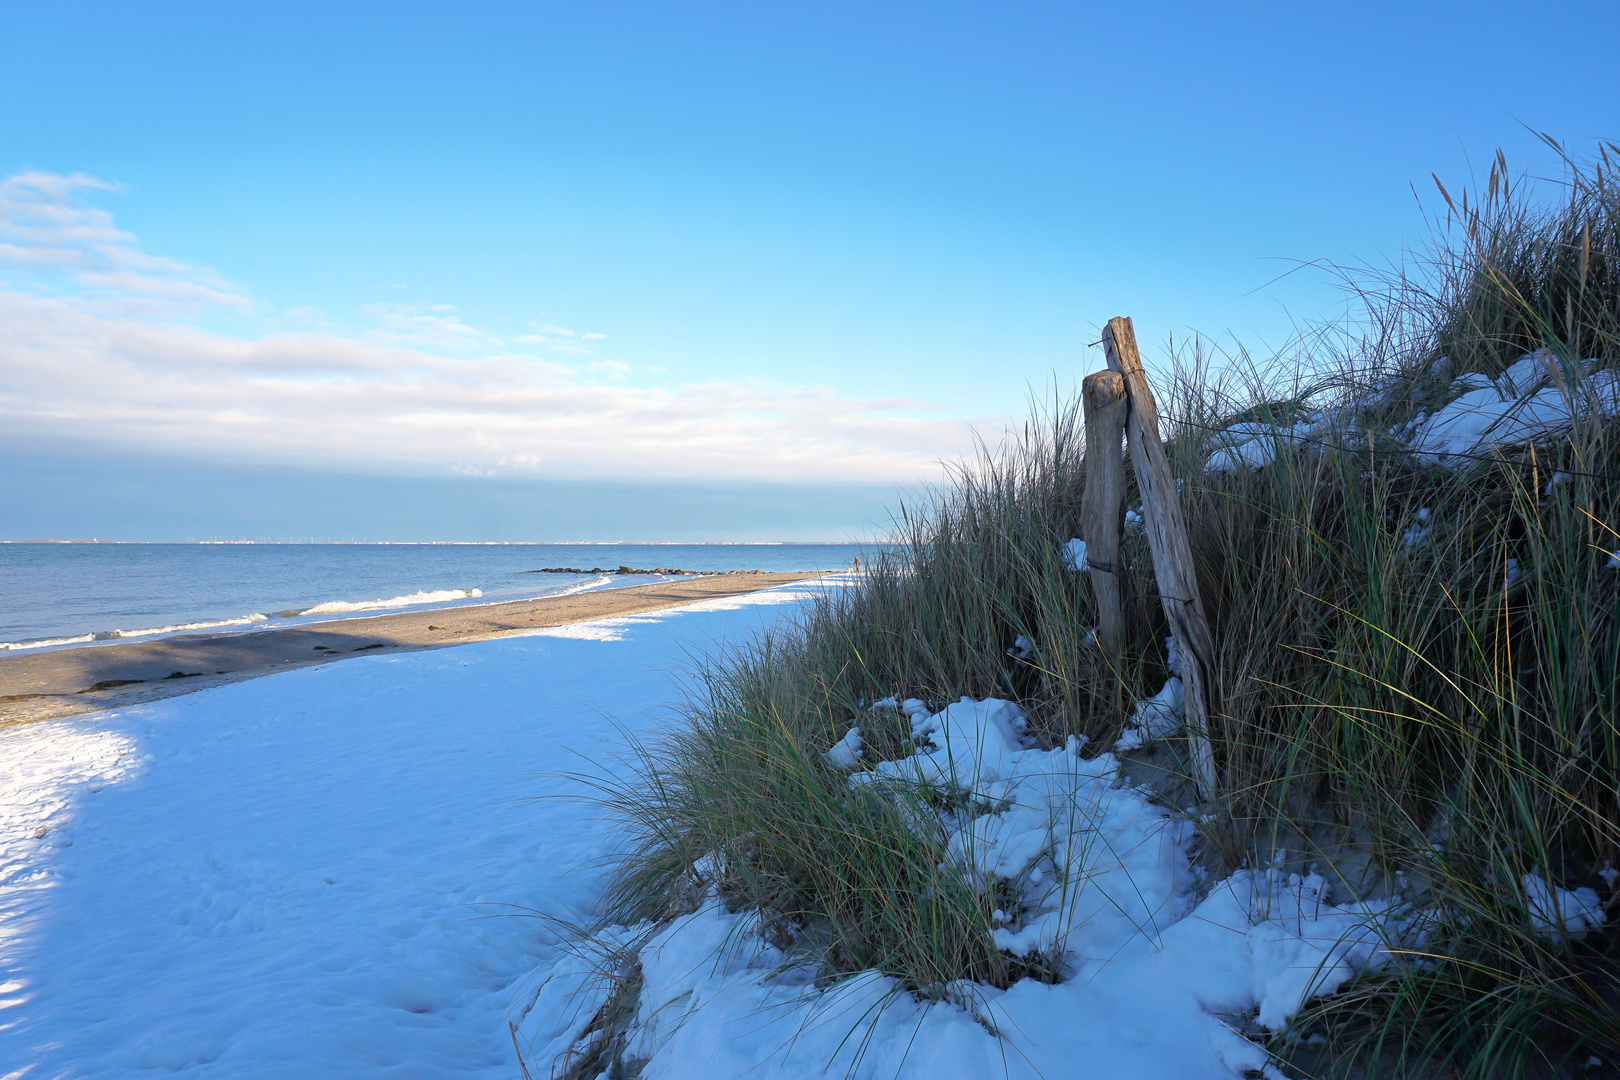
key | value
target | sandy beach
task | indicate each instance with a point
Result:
(64, 682)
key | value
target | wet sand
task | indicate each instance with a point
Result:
(64, 682)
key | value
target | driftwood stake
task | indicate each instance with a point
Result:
(1103, 511)
(1172, 553)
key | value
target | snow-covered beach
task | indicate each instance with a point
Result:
(343, 871)
(370, 868)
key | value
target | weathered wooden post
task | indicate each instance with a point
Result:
(1102, 512)
(1172, 553)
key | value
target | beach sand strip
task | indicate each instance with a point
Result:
(65, 682)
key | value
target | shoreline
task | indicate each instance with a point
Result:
(89, 678)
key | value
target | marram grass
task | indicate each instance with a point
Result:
(1422, 704)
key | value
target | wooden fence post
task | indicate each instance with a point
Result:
(1102, 512)
(1172, 553)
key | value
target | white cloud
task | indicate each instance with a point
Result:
(49, 232)
(427, 326)
(559, 339)
(104, 353)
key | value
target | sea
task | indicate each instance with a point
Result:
(58, 595)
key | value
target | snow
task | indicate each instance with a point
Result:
(1155, 717)
(1531, 398)
(846, 752)
(370, 868)
(1417, 533)
(910, 708)
(1152, 976)
(1536, 396)
(1074, 556)
(1254, 446)
(974, 741)
(351, 870)
(1555, 912)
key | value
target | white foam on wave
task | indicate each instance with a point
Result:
(339, 607)
(584, 586)
(45, 643)
(245, 620)
(115, 635)
(331, 607)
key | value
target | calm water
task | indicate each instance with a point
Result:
(59, 594)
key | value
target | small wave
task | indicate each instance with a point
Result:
(583, 586)
(338, 607)
(45, 643)
(245, 620)
(114, 635)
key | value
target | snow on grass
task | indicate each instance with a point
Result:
(1531, 398)
(1555, 912)
(846, 752)
(1254, 446)
(1155, 718)
(1535, 396)
(1152, 979)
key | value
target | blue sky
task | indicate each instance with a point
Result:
(692, 245)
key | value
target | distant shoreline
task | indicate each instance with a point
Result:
(62, 595)
(474, 543)
(67, 682)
